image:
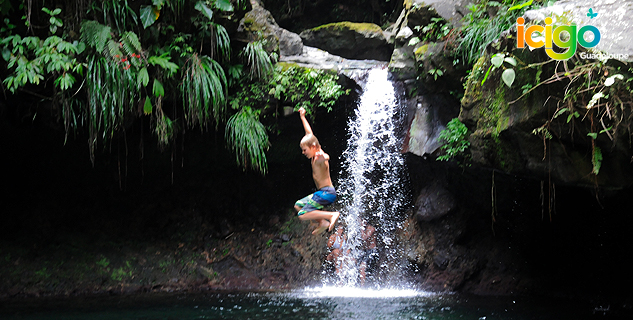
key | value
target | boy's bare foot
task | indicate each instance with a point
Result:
(322, 226)
(333, 221)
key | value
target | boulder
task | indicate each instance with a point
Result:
(424, 54)
(430, 113)
(315, 58)
(259, 23)
(421, 11)
(433, 202)
(350, 40)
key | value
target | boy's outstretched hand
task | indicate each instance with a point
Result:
(302, 111)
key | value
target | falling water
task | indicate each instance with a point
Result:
(371, 187)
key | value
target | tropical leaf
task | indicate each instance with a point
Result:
(149, 15)
(497, 59)
(508, 76)
(222, 42)
(206, 11)
(147, 106)
(158, 88)
(163, 62)
(223, 5)
(130, 43)
(142, 77)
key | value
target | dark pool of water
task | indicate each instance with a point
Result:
(307, 304)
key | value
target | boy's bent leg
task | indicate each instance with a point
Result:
(332, 217)
(316, 215)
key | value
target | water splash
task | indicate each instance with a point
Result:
(371, 188)
(355, 292)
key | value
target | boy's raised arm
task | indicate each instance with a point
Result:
(306, 125)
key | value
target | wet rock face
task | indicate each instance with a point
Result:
(350, 40)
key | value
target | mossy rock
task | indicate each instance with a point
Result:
(350, 40)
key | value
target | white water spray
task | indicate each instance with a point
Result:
(371, 186)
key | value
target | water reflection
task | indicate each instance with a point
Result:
(315, 303)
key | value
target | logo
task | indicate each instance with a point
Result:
(591, 14)
(565, 37)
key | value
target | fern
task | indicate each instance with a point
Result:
(95, 35)
(130, 43)
(222, 42)
(112, 94)
(114, 50)
(247, 138)
(257, 59)
(203, 91)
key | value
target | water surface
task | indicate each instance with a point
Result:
(317, 303)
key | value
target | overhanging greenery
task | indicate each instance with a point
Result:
(104, 64)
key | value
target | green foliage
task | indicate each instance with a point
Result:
(141, 60)
(107, 108)
(121, 273)
(456, 141)
(32, 60)
(300, 87)
(436, 73)
(103, 262)
(496, 61)
(203, 91)
(435, 31)
(54, 21)
(484, 24)
(117, 13)
(247, 138)
(257, 60)
(597, 94)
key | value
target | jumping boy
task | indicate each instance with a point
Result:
(309, 208)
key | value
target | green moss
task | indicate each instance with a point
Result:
(420, 51)
(346, 25)
(473, 87)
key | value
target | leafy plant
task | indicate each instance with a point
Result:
(484, 24)
(496, 61)
(120, 273)
(103, 262)
(176, 74)
(436, 30)
(456, 141)
(436, 73)
(258, 61)
(204, 91)
(54, 21)
(247, 138)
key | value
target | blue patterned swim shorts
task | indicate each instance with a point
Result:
(317, 200)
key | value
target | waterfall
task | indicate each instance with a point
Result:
(372, 185)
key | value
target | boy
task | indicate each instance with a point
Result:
(309, 208)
